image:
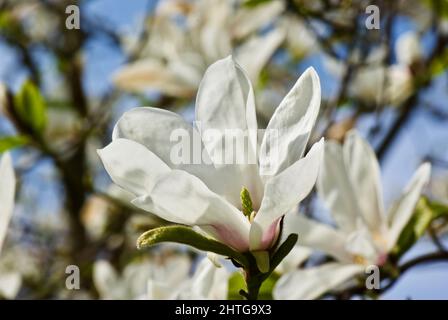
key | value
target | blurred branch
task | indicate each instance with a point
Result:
(360, 288)
(428, 258)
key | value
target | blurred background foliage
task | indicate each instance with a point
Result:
(62, 90)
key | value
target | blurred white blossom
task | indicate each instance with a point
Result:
(10, 280)
(349, 184)
(186, 37)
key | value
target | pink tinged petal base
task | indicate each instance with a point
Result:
(283, 192)
(270, 236)
(227, 236)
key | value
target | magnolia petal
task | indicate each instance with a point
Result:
(155, 128)
(318, 236)
(208, 282)
(132, 166)
(402, 211)
(170, 137)
(364, 171)
(308, 284)
(176, 143)
(214, 258)
(159, 290)
(248, 20)
(105, 279)
(369, 84)
(294, 259)
(290, 127)
(225, 99)
(254, 54)
(10, 283)
(168, 278)
(180, 197)
(151, 74)
(225, 109)
(283, 192)
(299, 39)
(408, 48)
(7, 191)
(214, 37)
(336, 190)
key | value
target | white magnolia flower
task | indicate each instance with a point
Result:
(299, 39)
(10, 281)
(161, 278)
(293, 260)
(376, 83)
(408, 48)
(208, 195)
(349, 184)
(177, 54)
(132, 283)
(207, 283)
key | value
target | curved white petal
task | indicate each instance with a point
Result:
(105, 279)
(294, 259)
(7, 191)
(248, 20)
(225, 118)
(364, 171)
(308, 284)
(318, 236)
(152, 74)
(132, 166)
(160, 290)
(208, 282)
(407, 48)
(300, 40)
(226, 100)
(214, 38)
(283, 192)
(401, 212)
(336, 190)
(157, 129)
(180, 197)
(254, 54)
(178, 144)
(168, 278)
(290, 127)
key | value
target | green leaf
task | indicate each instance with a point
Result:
(283, 250)
(439, 209)
(11, 142)
(236, 283)
(439, 64)
(186, 235)
(30, 107)
(267, 287)
(254, 3)
(416, 227)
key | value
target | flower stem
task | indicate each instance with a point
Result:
(253, 288)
